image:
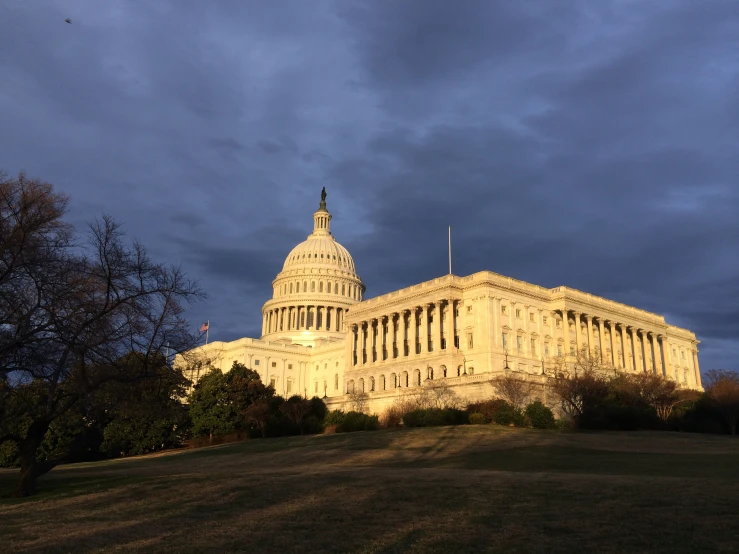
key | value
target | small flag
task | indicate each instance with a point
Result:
(204, 327)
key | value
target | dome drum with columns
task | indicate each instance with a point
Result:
(317, 285)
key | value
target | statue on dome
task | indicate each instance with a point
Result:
(323, 194)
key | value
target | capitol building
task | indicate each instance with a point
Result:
(322, 337)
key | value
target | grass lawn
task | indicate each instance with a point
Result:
(447, 489)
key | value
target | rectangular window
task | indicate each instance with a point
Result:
(469, 340)
(546, 349)
(673, 352)
(559, 323)
(256, 362)
(336, 382)
(518, 313)
(505, 340)
(544, 320)
(289, 387)
(531, 316)
(572, 350)
(683, 354)
(289, 366)
(469, 309)
(274, 364)
(559, 350)
(533, 347)
(316, 387)
(519, 344)
(272, 383)
(503, 309)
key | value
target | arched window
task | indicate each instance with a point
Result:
(430, 372)
(372, 384)
(305, 286)
(459, 370)
(394, 380)
(471, 370)
(320, 286)
(405, 378)
(350, 387)
(382, 382)
(343, 291)
(361, 385)
(291, 288)
(328, 287)
(313, 286)
(443, 371)
(418, 377)
(336, 381)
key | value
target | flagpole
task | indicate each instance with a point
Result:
(207, 330)
(450, 250)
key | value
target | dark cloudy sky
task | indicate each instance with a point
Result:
(593, 144)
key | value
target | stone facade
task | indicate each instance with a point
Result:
(322, 338)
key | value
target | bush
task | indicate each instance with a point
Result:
(357, 421)
(540, 416)
(477, 418)
(392, 417)
(334, 417)
(510, 415)
(434, 417)
(488, 408)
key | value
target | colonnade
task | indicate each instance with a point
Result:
(647, 351)
(303, 318)
(405, 332)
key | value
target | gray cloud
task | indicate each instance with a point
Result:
(578, 143)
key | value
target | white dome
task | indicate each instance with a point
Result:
(320, 251)
(316, 287)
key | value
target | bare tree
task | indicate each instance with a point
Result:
(441, 395)
(70, 314)
(513, 389)
(358, 401)
(655, 390)
(723, 391)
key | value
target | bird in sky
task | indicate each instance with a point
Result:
(68, 20)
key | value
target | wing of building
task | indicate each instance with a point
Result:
(321, 337)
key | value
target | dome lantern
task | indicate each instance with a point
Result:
(322, 218)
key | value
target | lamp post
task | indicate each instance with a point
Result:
(464, 361)
(542, 365)
(506, 360)
(325, 389)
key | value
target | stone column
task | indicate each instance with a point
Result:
(394, 344)
(496, 324)
(436, 329)
(363, 355)
(696, 369)
(372, 330)
(383, 354)
(591, 339)
(449, 331)
(666, 356)
(612, 328)
(413, 331)
(643, 346)
(577, 331)
(602, 340)
(654, 351)
(634, 346)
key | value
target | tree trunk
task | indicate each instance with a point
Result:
(31, 468)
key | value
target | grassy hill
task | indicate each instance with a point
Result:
(449, 489)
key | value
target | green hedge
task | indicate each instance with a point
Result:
(434, 417)
(540, 416)
(348, 422)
